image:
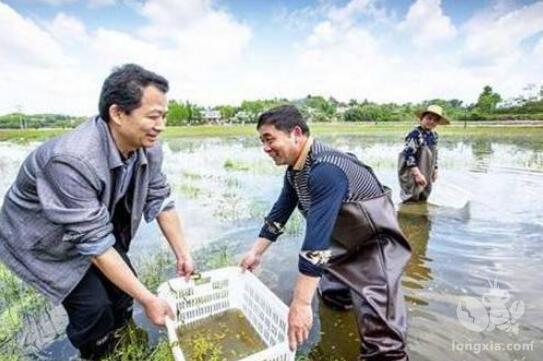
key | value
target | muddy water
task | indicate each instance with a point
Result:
(227, 336)
(473, 285)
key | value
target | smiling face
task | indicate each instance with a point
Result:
(429, 120)
(281, 146)
(140, 127)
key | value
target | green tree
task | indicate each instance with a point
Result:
(353, 114)
(488, 100)
(321, 110)
(177, 113)
(227, 111)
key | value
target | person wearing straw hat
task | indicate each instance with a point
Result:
(417, 163)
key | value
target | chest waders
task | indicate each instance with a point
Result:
(410, 191)
(368, 255)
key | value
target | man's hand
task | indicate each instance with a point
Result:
(111, 264)
(250, 261)
(434, 175)
(300, 315)
(253, 258)
(185, 266)
(170, 224)
(420, 179)
(300, 320)
(157, 310)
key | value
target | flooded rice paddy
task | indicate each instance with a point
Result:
(473, 285)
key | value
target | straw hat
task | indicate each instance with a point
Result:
(437, 110)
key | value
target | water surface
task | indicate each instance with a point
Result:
(489, 251)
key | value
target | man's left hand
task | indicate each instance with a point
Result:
(300, 319)
(185, 266)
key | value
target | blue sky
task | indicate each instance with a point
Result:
(54, 54)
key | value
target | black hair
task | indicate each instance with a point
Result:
(285, 118)
(124, 87)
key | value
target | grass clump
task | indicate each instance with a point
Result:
(17, 303)
(154, 270)
(190, 190)
(235, 165)
(133, 346)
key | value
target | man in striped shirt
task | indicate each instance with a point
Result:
(352, 238)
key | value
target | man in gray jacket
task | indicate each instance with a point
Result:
(67, 221)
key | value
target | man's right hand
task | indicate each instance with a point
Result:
(253, 258)
(250, 261)
(420, 179)
(157, 310)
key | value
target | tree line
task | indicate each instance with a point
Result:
(489, 106)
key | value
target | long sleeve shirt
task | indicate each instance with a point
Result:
(328, 188)
(419, 137)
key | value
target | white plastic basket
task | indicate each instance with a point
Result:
(223, 289)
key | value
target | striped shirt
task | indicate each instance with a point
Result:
(327, 178)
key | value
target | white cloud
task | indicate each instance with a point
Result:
(56, 2)
(201, 35)
(495, 37)
(353, 8)
(118, 48)
(323, 32)
(175, 14)
(538, 49)
(192, 43)
(68, 29)
(21, 40)
(100, 3)
(200, 47)
(350, 59)
(59, 64)
(427, 24)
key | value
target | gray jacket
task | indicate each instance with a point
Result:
(61, 203)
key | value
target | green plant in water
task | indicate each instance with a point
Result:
(205, 350)
(313, 356)
(228, 207)
(189, 190)
(154, 270)
(11, 351)
(17, 302)
(258, 209)
(162, 352)
(220, 258)
(133, 346)
(232, 165)
(233, 183)
(191, 176)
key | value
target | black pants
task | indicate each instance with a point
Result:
(96, 309)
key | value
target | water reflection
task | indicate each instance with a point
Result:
(415, 224)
